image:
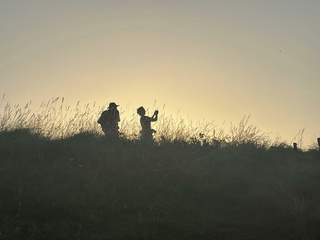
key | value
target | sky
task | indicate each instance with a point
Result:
(204, 60)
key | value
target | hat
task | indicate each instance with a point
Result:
(112, 105)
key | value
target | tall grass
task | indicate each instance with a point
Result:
(55, 120)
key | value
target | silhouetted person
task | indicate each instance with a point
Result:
(109, 120)
(145, 121)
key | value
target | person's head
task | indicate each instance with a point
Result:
(113, 105)
(141, 111)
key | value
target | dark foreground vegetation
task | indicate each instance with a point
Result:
(83, 187)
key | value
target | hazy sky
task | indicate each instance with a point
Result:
(206, 59)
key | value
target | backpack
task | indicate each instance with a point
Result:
(108, 118)
(103, 118)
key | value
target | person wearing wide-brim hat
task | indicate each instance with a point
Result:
(109, 120)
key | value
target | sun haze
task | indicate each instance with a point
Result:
(208, 60)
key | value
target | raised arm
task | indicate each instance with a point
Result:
(155, 116)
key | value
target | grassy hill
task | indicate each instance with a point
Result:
(237, 185)
(84, 187)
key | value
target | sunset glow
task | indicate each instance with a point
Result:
(203, 60)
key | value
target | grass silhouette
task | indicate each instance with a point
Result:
(60, 179)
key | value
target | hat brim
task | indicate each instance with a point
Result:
(114, 106)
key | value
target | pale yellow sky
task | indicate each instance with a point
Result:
(211, 60)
